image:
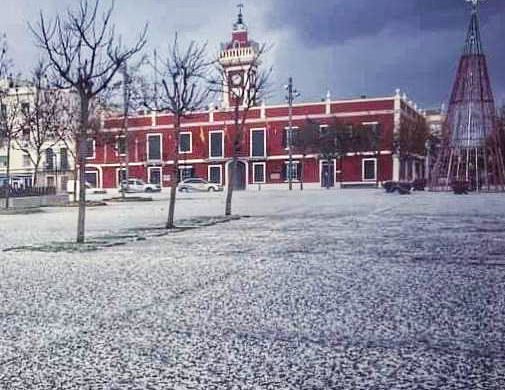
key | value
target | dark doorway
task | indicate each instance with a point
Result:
(240, 176)
(327, 174)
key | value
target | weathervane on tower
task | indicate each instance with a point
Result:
(240, 19)
(240, 6)
(475, 4)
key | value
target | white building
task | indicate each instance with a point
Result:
(28, 143)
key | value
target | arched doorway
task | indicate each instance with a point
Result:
(240, 180)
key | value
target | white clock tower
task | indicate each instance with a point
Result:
(238, 59)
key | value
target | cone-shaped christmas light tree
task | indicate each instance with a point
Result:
(470, 150)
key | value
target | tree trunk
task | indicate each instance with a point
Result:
(302, 166)
(341, 174)
(126, 157)
(36, 172)
(76, 175)
(81, 156)
(230, 184)
(126, 106)
(377, 178)
(173, 185)
(237, 139)
(8, 173)
(173, 193)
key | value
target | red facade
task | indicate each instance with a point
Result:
(268, 123)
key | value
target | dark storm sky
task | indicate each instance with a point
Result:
(350, 47)
(373, 46)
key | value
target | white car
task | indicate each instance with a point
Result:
(90, 190)
(196, 184)
(138, 185)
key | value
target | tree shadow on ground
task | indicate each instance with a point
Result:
(124, 237)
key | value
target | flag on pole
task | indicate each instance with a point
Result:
(202, 135)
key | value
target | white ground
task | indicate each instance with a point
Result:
(351, 289)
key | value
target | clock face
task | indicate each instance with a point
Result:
(236, 79)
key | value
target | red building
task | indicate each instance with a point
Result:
(205, 142)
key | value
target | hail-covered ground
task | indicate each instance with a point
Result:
(341, 289)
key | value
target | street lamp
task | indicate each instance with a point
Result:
(292, 93)
(427, 166)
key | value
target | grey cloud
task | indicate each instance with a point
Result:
(350, 47)
(337, 21)
(373, 46)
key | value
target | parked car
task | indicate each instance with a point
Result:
(138, 185)
(402, 188)
(196, 184)
(90, 190)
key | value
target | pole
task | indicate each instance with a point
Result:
(290, 133)
(156, 80)
(126, 106)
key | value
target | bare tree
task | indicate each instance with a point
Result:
(338, 139)
(244, 92)
(68, 133)
(412, 139)
(42, 120)
(127, 96)
(182, 75)
(367, 138)
(305, 141)
(85, 53)
(376, 140)
(10, 108)
(10, 126)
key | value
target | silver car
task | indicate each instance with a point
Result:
(196, 184)
(138, 185)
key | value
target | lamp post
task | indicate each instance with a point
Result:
(123, 154)
(427, 165)
(290, 97)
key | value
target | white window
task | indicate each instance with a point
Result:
(374, 133)
(92, 179)
(64, 159)
(154, 147)
(259, 172)
(27, 161)
(121, 145)
(258, 143)
(50, 159)
(215, 174)
(294, 171)
(216, 144)
(287, 138)
(64, 183)
(120, 175)
(185, 142)
(154, 175)
(186, 172)
(90, 148)
(369, 169)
